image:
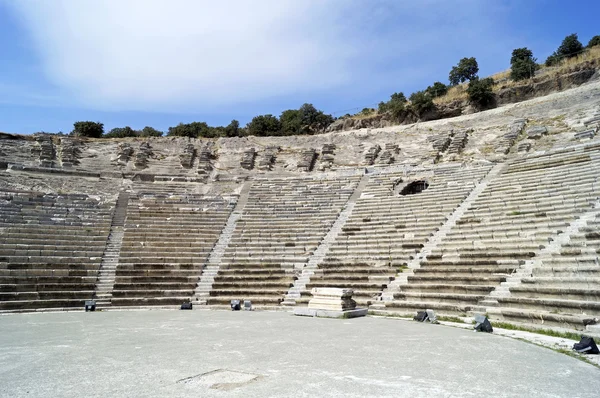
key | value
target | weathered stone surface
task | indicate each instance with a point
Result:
(506, 141)
(387, 156)
(307, 160)
(333, 299)
(585, 135)
(45, 150)
(459, 140)
(69, 151)
(248, 157)
(267, 158)
(524, 146)
(371, 154)
(188, 155)
(124, 152)
(536, 132)
(141, 157)
(205, 159)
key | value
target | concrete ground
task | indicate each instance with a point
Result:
(260, 354)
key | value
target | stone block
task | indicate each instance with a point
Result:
(536, 132)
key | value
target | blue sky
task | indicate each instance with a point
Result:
(158, 63)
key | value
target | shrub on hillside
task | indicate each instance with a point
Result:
(150, 132)
(421, 102)
(522, 64)
(264, 125)
(88, 129)
(396, 105)
(570, 47)
(480, 92)
(466, 69)
(121, 132)
(594, 41)
(233, 129)
(437, 89)
(193, 130)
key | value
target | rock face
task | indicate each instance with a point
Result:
(248, 159)
(45, 150)
(124, 152)
(268, 157)
(327, 157)
(387, 156)
(69, 151)
(187, 157)
(204, 159)
(536, 132)
(307, 160)
(524, 146)
(371, 154)
(440, 141)
(459, 140)
(141, 157)
(505, 142)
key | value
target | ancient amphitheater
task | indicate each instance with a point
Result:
(496, 212)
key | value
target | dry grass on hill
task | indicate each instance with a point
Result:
(502, 79)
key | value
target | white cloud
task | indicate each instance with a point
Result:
(183, 55)
(146, 53)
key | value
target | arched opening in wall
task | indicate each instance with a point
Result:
(414, 187)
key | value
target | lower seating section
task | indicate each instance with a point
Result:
(387, 229)
(512, 219)
(564, 286)
(51, 247)
(167, 240)
(283, 222)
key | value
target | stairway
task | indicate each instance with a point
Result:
(214, 260)
(401, 278)
(110, 258)
(319, 255)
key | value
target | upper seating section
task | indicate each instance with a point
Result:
(387, 228)
(283, 222)
(50, 249)
(168, 237)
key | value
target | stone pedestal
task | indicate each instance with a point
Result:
(331, 303)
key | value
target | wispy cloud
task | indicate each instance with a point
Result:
(185, 54)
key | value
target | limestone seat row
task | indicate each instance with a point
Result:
(51, 249)
(167, 239)
(282, 224)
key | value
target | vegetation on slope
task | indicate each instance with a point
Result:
(465, 86)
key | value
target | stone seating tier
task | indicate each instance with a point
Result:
(166, 243)
(282, 224)
(51, 249)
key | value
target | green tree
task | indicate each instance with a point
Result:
(88, 129)
(121, 132)
(594, 41)
(522, 64)
(437, 89)
(421, 102)
(150, 132)
(466, 69)
(264, 125)
(312, 119)
(570, 46)
(192, 130)
(291, 121)
(480, 92)
(233, 129)
(395, 104)
(552, 59)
